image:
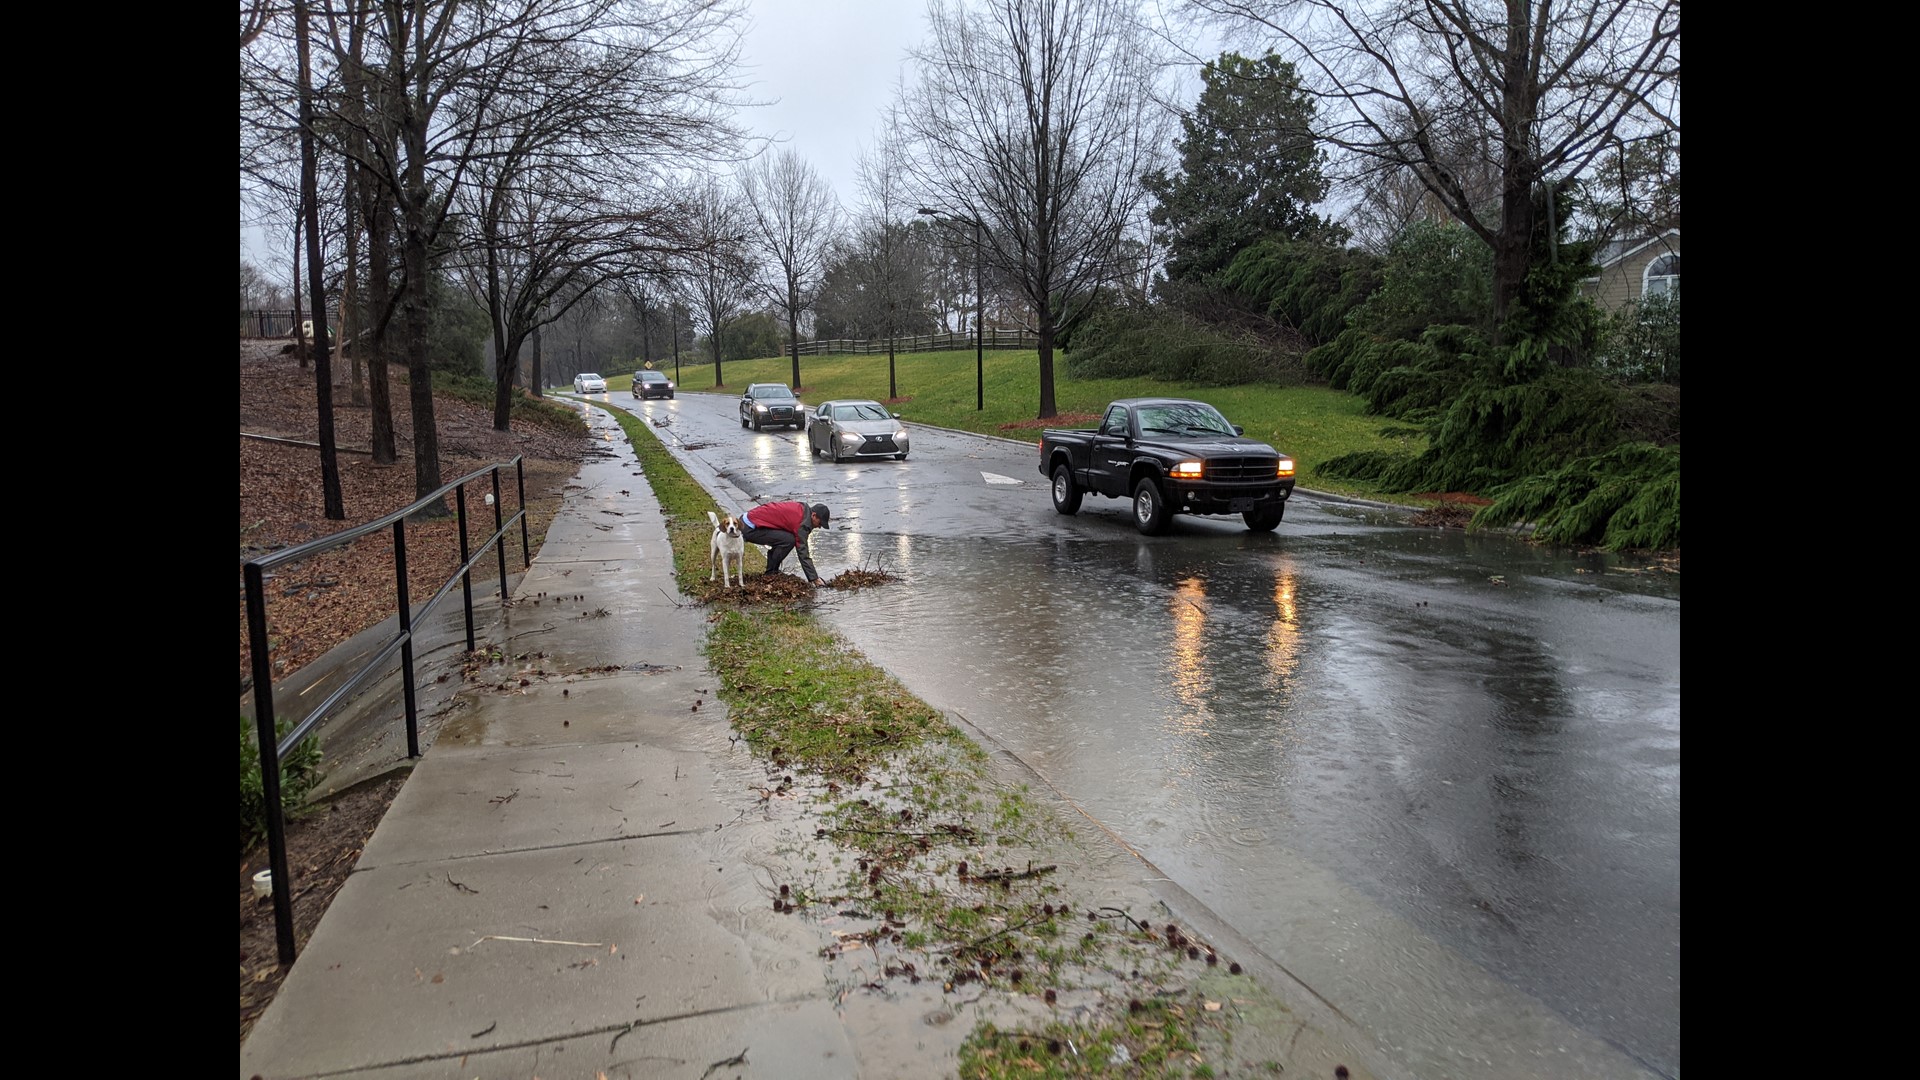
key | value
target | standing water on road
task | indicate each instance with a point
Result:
(1433, 774)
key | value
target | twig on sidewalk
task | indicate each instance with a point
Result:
(737, 1059)
(539, 941)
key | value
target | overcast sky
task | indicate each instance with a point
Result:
(833, 68)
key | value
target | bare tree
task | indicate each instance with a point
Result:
(1034, 120)
(897, 279)
(336, 509)
(717, 272)
(565, 192)
(1545, 88)
(794, 215)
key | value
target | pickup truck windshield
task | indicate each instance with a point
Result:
(1187, 419)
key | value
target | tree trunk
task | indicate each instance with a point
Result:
(426, 438)
(506, 353)
(336, 509)
(793, 332)
(537, 375)
(351, 320)
(1047, 408)
(379, 221)
(299, 339)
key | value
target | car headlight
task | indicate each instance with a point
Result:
(1186, 470)
(900, 436)
(1286, 467)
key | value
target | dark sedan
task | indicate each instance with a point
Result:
(652, 384)
(767, 405)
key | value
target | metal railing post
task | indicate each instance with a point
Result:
(269, 762)
(466, 575)
(526, 540)
(406, 635)
(500, 545)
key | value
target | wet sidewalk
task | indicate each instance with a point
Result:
(575, 880)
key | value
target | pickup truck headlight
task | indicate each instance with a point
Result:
(1186, 470)
(1286, 467)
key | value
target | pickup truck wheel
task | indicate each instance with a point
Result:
(1066, 495)
(1150, 510)
(1265, 520)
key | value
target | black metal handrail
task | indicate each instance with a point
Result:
(272, 749)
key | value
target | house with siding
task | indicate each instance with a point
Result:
(1631, 270)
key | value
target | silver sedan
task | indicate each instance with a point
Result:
(854, 429)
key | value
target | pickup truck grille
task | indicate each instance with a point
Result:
(1242, 468)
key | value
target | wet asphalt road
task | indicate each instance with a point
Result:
(1435, 775)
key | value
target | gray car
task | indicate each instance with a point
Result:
(767, 404)
(856, 429)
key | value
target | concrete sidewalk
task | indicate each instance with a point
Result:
(577, 878)
(566, 884)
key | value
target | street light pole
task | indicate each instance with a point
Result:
(979, 324)
(979, 307)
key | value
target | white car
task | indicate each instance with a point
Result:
(588, 383)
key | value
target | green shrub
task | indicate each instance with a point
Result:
(1626, 498)
(299, 772)
(1159, 342)
(1312, 287)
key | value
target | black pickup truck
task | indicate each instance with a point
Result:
(1169, 455)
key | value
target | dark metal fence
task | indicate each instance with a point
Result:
(272, 749)
(276, 322)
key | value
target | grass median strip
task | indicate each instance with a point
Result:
(947, 873)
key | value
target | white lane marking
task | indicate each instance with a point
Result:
(996, 478)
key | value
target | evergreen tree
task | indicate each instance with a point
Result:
(1249, 168)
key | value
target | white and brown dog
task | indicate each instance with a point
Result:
(728, 544)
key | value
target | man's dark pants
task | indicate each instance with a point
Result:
(778, 542)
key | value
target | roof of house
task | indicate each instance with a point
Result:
(1617, 250)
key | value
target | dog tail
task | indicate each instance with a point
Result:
(715, 518)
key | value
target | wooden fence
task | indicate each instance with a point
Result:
(993, 339)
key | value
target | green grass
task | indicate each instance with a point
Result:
(1313, 424)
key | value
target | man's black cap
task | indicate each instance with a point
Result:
(826, 515)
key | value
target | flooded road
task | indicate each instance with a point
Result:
(1434, 775)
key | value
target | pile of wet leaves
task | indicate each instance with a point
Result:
(1444, 516)
(786, 588)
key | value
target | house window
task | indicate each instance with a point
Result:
(1662, 276)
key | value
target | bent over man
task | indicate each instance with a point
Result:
(783, 527)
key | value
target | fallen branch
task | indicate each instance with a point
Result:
(737, 1059)
(1014, 875)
